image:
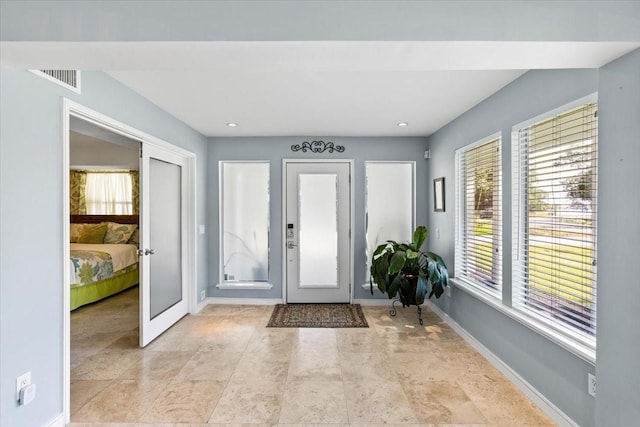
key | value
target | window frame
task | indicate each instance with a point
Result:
(492, 292)
(127, 204)
(411, 163)
(241, 284)
(566, 335)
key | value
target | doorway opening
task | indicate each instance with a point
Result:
(104, 239)
(159, 305)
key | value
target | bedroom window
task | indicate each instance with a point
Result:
(244, 205)
(555, 169)
(109, 193)
(478, 215)
(388, 185)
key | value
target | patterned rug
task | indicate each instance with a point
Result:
(317, 316)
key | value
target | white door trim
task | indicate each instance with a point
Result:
(283, 248)
(72, 108)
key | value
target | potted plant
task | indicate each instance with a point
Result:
(403, 269)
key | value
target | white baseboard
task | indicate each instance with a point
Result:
(58, 421)
(202, 304)
(531, 392)
(241, 301)
(273, 301)
(372, 301)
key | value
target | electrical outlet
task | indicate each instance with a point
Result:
(591, 379)
(21, 382)
(448, 291)
(202, 295)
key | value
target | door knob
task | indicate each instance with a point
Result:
(149, 252)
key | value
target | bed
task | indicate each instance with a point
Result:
(102, 263)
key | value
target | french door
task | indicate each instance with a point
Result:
(163, 247)
(317, 230)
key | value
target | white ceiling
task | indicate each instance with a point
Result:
(94, 133)
(94, 147)
(313, 88)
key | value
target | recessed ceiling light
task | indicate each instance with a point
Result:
(403, 124)
(232, 125)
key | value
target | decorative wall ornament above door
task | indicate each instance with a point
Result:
(317, 147)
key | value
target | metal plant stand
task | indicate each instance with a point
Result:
(394, 311)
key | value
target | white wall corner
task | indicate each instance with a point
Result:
(202, 304)
(58, 421)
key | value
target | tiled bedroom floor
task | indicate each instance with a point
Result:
(223, 367)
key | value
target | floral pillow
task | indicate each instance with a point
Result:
(135, 238)
(75, 231)
(93, 233)
(119, 233)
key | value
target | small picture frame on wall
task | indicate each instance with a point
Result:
(438, 194)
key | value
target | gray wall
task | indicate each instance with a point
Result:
(31, 223)
(274, 149)
(618, 354)
(555, 372)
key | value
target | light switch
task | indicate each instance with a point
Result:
(201, 229)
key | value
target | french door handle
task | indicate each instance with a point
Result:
(291, 245)
(149, 252)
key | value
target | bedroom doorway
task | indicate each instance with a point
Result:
(166, 244)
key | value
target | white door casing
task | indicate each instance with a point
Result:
(317, 238)
(72, 108)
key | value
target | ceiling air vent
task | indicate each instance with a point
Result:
(65, 78)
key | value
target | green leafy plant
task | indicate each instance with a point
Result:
(404, 269)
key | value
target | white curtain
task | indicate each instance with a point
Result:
(109, 193)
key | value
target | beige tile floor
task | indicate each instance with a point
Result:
(224, 367)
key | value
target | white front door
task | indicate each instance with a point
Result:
(317, 231)
(163, 247)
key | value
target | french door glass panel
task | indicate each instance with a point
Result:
(166, 237)
(164, 296)
(318, 223)
(245, 217)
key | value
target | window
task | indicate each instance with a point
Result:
(478, 257)
(388, 185)
(244, 201)
(109, 193)
(554, 228)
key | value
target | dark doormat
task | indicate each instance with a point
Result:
(317, 316)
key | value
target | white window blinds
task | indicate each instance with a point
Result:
(554, 234)
(479, 214)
